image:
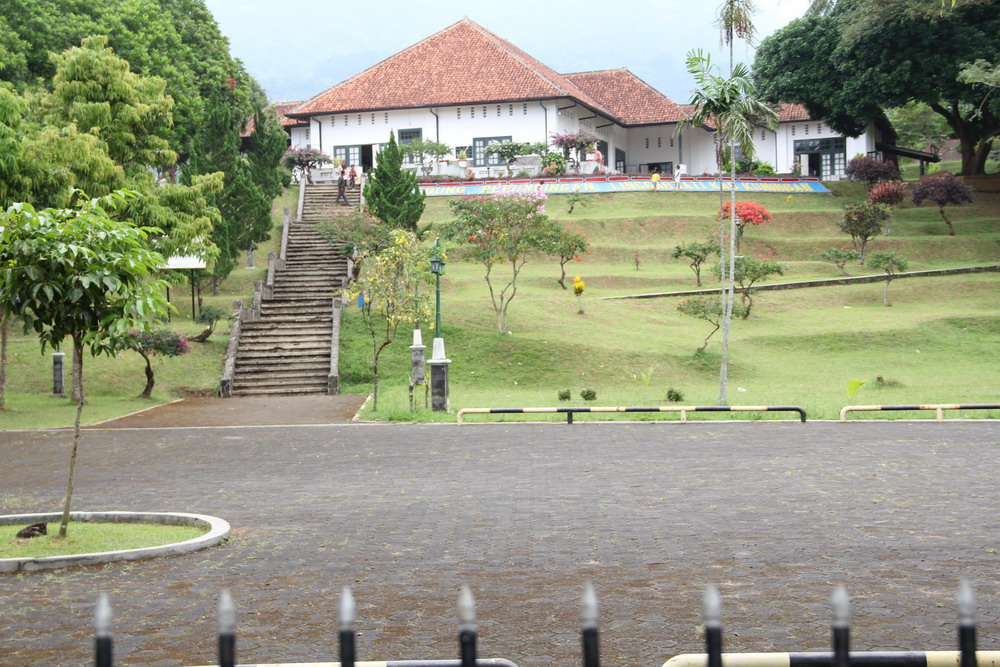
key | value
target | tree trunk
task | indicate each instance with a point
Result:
(149, 376)
(697, 274)
(702, 348)
(77, 373)
(68, 500)
(951, 228)
(375, 386)
(562, 278)
(975, 149)
(730, 283)
(4, 329)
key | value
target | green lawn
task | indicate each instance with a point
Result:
(84, 537)
(800, 347)
(936, 343)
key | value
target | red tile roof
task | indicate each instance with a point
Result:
(462, 64)
(787, 113)
(792, 112)
(279, 108)
(629, 98)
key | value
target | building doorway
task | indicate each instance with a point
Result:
(367, 158)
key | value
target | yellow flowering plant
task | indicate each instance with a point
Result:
(578, 287)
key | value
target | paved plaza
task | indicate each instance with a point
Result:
(775, 513)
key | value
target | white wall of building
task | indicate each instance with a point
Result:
(533, 122)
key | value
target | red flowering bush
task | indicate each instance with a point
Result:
(890, 193)
(747, 212)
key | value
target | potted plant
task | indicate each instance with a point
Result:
(463, 158)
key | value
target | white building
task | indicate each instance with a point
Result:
(467, 88)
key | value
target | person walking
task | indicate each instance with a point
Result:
(342, 189)
(352, 177)
(655, 178)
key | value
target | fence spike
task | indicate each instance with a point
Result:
(591, 651)
(590, 609)
(713, 607)
(102, 632)
(347, 637)
(713, 626)
(966, 602)
(467, 627)
(467, 608)
(102, 617)
(841, 626)
(227, 629)
(841, 607)
(346, 608)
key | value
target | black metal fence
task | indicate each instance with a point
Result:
(713, 657)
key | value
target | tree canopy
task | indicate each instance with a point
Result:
(176, 40)
(902, 55)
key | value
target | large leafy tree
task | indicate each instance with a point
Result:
(176, 40)
(97, 91)
(863, 56)
(244, 205)
(391, 192)
(78, 274)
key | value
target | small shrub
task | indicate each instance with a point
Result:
(764, 169)
(840, 257)
(588, 394)
(564, 395)
(871, 171)
(675, 396)
(884, 383)
(944, 190)
(890, 193)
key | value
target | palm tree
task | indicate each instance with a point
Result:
(729, 104)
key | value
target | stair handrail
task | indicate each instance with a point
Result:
(333, 378)
(302, 196)
(284, 233)
(252, 314)
(229, 367)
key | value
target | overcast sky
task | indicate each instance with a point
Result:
(297, 53)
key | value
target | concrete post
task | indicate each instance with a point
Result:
(439, 378)
(249, 258)
(418, 371)
(58, 389)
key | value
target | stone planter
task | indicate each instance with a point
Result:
(218, 530)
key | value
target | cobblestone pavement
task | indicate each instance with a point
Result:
(775, 513)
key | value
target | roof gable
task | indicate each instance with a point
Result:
(628, 97)
(462, 64)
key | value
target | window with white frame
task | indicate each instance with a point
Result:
(409, 135)
(479, 156)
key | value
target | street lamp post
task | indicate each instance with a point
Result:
(437, 268)
(438, 362)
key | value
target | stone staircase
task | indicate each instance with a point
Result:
(319, 202)
(287, 351)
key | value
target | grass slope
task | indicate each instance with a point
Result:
(937, 342)
(112, 385)
(800, 347)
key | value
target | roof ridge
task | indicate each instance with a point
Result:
(323, 93)
(508, 46)
(597, 71)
